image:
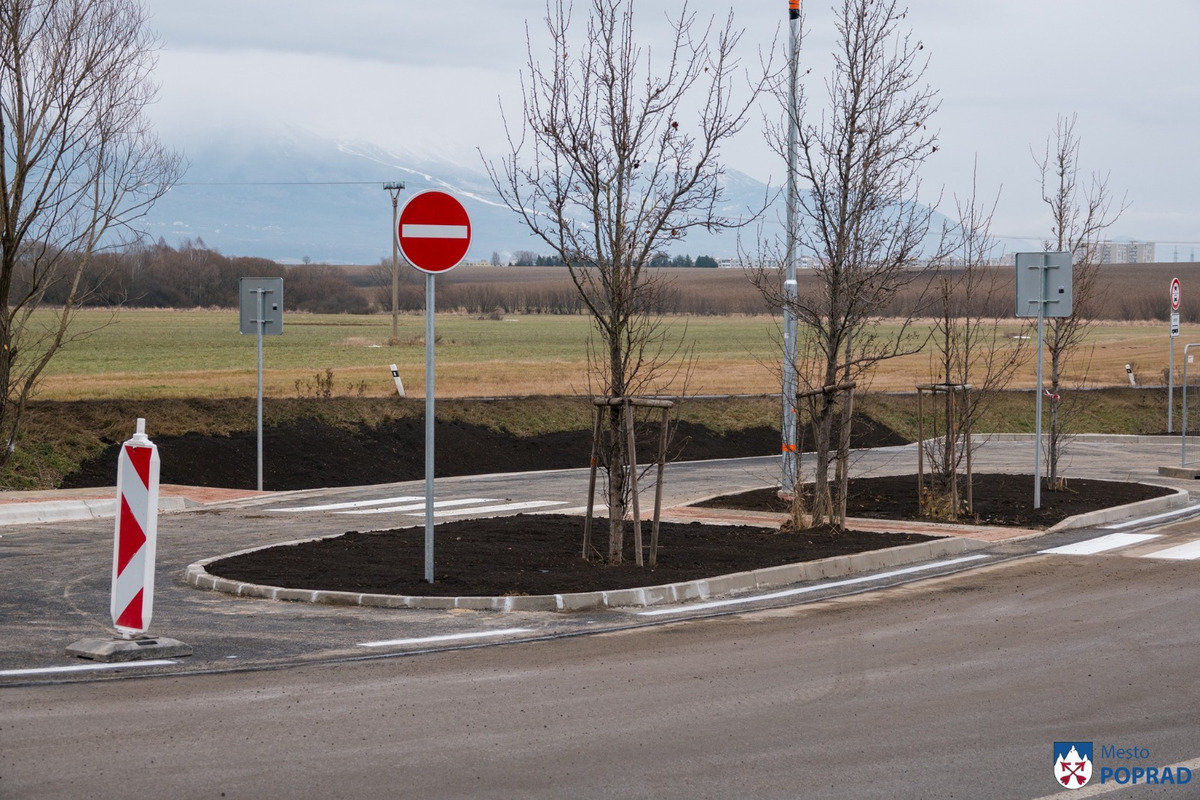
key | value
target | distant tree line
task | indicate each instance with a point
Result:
(193, 276)
(157, 275)
(528, 258)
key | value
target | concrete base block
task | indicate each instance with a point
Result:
(1186, 473)
(109, 650)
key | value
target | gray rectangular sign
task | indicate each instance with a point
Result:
(261, 296)
(1044, 279)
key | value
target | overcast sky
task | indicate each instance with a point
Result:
(408, 74)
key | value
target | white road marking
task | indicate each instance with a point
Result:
(351, 504)
(1179, 512)
(688, 609)
(420, 506)
(494, 509)
(17, 673)
(433, 232)
(1100, 544)
(450, 637)
(1188, 551)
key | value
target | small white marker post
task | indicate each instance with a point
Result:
(396, 378)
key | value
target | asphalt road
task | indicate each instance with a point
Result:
(955, 687)
(951, 686)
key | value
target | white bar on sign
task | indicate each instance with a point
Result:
(434, 231)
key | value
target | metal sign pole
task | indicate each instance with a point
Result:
(790, 473)
(1171, 387)
(262, 324)
(1035, 289)
(433, 232)
(1183, 414)
(429, 338)
(1173, 332)
(260, 316)
(1037, 414)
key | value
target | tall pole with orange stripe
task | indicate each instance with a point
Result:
(790, 472)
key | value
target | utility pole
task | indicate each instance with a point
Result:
(790, 466)
(395, 188)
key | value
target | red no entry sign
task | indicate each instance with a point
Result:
(434, 231)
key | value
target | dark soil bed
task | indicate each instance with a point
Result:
(997, 499)
(310, 455)
(540, 554)
(531, 554)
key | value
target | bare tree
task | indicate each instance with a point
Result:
(617, 156)
(1079, 214)
(857, 166)
(80, 166)
(972, 357)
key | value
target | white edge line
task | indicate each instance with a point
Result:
(687, 609)
(16, 673)
(1178, 512)
(450, 637)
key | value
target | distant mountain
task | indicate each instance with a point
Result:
(294, 196)
(290, 196)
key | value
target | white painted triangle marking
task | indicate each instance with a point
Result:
(1100, 544)
(351, 504)
(494, 509)
(1189, 551)
(415, 506)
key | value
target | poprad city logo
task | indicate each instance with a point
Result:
(1072, 764)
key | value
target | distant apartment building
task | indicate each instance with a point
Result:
(1126, 252)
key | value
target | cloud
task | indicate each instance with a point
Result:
(419, 75)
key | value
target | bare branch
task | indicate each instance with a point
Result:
(616, 157)
(80, 166)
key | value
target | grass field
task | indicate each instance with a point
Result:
(200, 354)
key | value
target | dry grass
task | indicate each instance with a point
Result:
(540, 355)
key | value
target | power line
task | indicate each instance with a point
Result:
(279, 183)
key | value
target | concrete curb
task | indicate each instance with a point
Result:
(73, 510)
(1103, 516)
(772, 577)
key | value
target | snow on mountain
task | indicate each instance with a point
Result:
(290, 195)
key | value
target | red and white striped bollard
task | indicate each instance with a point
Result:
(136, 534)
